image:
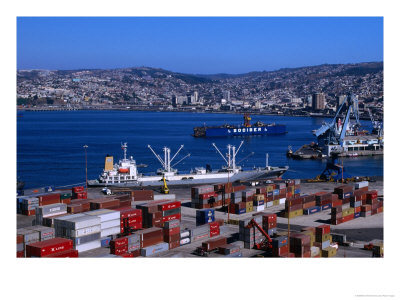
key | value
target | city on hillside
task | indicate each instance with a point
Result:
(306, 91)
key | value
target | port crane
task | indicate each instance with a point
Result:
(376, 125)
(333, 133)
(265, 244)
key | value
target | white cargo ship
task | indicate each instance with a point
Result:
(125, 173)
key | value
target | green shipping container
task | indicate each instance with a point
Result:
(65, 196)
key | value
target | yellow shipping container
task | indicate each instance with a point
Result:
(249, 207)
(293, 214)
(275, 202)
(329, 252)
(323, 238)
(259, 197)
(270, 188)
(348, 211)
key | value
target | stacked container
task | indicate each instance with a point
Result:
(258, 202)
(151, 241)
(26, 237)
(48, 211)
(185, 237)
(29, 205)
(293, 207)
(324, 200)
(83, 230)
(200, 232)
(65, 197)
(300, 245)
(154, 249)
(130, 219)
(78, 192)
(280, 246)
(78, 206)
(323, 238)
(336, 215)
(250, 235)
(119, 246)
(172, 233)
(109, 203)
(344, 192)
(269, 223)
(110, 223)
(142, 195)
(205, 216)
(214, 229)
(56, 247)
(203, 196)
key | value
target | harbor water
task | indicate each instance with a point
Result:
(50, 144)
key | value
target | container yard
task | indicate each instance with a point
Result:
(274, 218)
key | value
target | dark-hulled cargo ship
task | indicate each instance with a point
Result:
(245, 129)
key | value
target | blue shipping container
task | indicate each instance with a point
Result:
(357, 215)
(355, 203)
(326, 206)
(280, 241)
(276, 192)
(270, 194)
(241, 211)
(312, 210)
(105, 242)
(297, 191)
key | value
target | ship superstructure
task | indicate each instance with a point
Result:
(125, 173)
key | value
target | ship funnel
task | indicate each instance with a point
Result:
(109, 163)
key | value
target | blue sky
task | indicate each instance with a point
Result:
(202, 45)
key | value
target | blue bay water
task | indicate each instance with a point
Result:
(50, 144)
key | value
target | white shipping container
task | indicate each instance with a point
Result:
(110, 224)
(165, 197)
(83, 231)
(110, 231)
(314, 251)
(60, 221)
(81, 222)
(282, 201)
(361, 184)
(104, 214)
(259, 208)
(88, 246)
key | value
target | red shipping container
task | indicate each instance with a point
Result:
(172, 238)
(348, 218)
(276, 252)
(31, 212)
(336, 221)
(372, 194)
(44, 248)
(174, 245)
(63, 254)
(269, 217)
(119, 242)
(207, 195)
(20, 238)
(379, 210)
(322, 229)
(214, 232)
(357, 209)
(119, 251)
(78, 189)
(143, 195)
(336, 203)
(170, 205)
(172, 231)
(365, 208)
(172, 217)
(131, 221)
(294, 207)
(214, 225)
(20, 254)
(127, 254)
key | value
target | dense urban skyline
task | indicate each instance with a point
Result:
(196, 45)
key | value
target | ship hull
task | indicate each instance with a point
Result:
(239, 131)
(185, 179)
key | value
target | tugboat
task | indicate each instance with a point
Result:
(125, 173)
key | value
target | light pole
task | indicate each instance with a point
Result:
(85, 147)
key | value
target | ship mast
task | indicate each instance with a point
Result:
(231, 155)
(166, 163)
(124, 146)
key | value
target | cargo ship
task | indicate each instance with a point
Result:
(125, 173)
(245, 129)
